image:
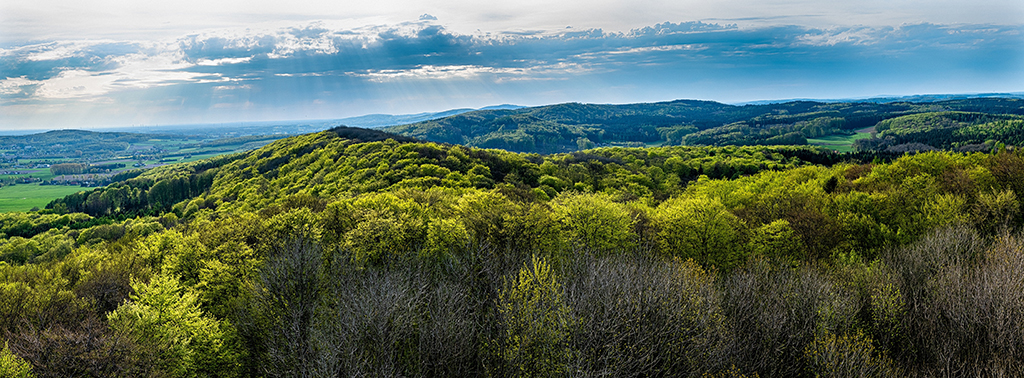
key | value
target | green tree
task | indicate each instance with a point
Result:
(12, 366)
(166, 319)
(535, 324)
(776, 240)
(445, 237)
(593, 222)
(700, 228)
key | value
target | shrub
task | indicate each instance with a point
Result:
(853, 355)
(774, 312)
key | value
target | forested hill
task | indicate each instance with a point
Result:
(60, 143)
(964, 131)
(574, 126)
(359, 253)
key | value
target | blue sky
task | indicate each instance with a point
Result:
(104, 63)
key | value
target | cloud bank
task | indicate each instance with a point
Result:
(315, 71)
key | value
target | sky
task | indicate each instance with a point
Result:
(115, 63)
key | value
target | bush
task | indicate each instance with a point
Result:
(853, 355)
(775, 311)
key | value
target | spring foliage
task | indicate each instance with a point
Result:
(328, 256)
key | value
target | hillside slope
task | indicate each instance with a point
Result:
(965, 131)
(574, 126)
(353, 252)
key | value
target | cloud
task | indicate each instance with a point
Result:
(471, 72)
(16, 86)
(315, 63)
(427, 17)
(222, 61)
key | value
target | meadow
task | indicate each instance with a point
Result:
(24, 197)
(840, 142)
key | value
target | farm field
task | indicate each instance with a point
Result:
(102, 155)
(839, 142)
(23, 197)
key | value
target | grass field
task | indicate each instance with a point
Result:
(839, 142)
(23, 197)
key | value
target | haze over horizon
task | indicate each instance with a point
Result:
(100, 63)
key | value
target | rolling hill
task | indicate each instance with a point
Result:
(575, 126)
(351, 252)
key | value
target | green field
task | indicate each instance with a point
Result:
(838, 142)
(23, 197)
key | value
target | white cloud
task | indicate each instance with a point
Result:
(133, 71)
(232, 87)
(13, 85)
(74, 84)
(28, 20)
(859, 36)
(644, 50)
(289, 44)
(50, 51)
(222, 61)
(429, 72)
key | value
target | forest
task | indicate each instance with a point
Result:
(573, 126)
(355, 252)
(962, 131)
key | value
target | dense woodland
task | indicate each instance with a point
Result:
(574, 126)
(963, 131)
(359, 253)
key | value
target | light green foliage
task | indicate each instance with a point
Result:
(12, 366)
(594, 223)
(702, 229)
(445, 237)
(365, 210)
(944, 210)
(165, 317)
(494, 220)
(386, 227)
(776, 240)
(535, 323)
(853, 355)
(995, 211)
(101, 233)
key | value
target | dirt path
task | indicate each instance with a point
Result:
(869, 129)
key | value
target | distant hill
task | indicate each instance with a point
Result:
(888, 99)
(963, 131)
(575, 126)
(383, 120)
(59, 143)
